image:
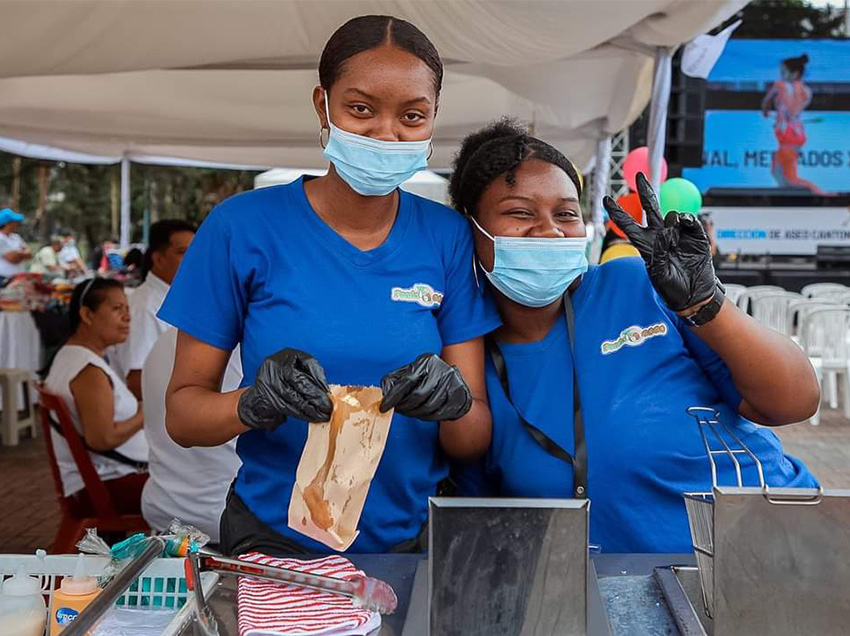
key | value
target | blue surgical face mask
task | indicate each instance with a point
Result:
(535, 272)
(372, 167)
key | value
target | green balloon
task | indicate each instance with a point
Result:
(679, 195)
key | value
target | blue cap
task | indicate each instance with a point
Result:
(7, 215)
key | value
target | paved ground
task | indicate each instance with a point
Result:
(29, 511)
(825, 448)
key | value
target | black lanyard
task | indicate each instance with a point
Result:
(579, 461)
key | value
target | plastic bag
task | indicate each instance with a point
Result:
(133, 622)
(337, 465)
(180, 540)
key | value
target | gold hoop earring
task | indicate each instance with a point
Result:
(322, 141)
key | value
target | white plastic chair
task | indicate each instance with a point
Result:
(813, 289)
(734, 291)
(840, 296)
(771, 309)
(751, 292)
(799, 309)
(824, 339)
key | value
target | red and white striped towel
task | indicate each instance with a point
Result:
(269, 609)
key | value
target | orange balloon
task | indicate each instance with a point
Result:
(631, 204)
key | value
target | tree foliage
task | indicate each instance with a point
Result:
(80, 197)
(788, 19)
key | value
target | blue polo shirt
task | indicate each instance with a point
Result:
(266, 272)
(639, 368)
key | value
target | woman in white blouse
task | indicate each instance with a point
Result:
(104, 411)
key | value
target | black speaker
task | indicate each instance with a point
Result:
(685, 122)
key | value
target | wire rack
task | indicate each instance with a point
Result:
(720, 439)
(700, 505)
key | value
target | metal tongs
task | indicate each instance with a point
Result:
(367, 592)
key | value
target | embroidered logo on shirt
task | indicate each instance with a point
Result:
(420, 293)
(633, 336)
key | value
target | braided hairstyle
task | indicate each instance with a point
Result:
(368, 32)
(496, 150)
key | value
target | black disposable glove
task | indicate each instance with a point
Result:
(675, 249)
(290, 383)
(427, 389)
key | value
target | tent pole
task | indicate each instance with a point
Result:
(599, 188)
(125, 202)
(661, 83)
(148, 213)
(600, 179)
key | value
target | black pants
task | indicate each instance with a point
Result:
(241, 532)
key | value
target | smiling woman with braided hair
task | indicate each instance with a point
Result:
(590, 376)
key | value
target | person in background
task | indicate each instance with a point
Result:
(14, 251)
(592, 372)
(104, 411)
(615, 243)
(46, 260)
(95, 256)
(69, 256)
(111, 259)
(789, 96)
(708, 227)
(134, 262)
(169, 240)
(189, 484)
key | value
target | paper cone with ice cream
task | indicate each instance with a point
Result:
(337, 465)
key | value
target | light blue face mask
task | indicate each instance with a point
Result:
(535, 272)
(373, 167)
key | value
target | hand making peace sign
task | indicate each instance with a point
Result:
(675, 249)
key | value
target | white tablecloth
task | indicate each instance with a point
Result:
(20, 345)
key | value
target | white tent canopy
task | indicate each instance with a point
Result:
(228, 81)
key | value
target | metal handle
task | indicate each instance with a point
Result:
(89, 617)
(222, 564)
(794, 500)
(710, 418)
(205, 620)
(366, 591)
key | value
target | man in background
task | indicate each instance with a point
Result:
(46, 260)
(69, 256)
(190, 484)
(169, 240)
(13, 249)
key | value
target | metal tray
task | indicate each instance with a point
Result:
(683, 594)
(410, 581)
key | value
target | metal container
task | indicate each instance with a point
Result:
(771, 560)
(508, 567)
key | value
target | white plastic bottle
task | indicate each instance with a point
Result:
(22, 608)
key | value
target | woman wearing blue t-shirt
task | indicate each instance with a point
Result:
(645, 348)
(342, 279)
